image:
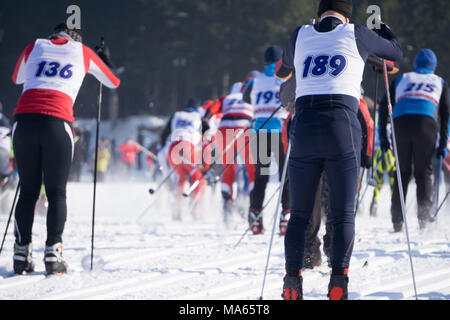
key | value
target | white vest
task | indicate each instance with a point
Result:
(234, 106)
(419, 86)
(265, 95)
(187, 126)
(328, 63)
(56, 67)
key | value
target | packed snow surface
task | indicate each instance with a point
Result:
(145, 254)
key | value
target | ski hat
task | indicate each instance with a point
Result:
(192, 105)
(426, 59)
(273, 54)
(344, 7)
(62, 30)
(236, 88)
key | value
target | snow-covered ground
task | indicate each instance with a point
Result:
(157, 258)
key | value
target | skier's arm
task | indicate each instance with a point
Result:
(382, 44)
(96, 67)
(287, 68)
(444, 113)
(18, 76)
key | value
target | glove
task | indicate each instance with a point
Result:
(104, 54)
(384, 31)
(385, 145)
(441, 152)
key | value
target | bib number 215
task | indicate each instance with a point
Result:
(321, 65)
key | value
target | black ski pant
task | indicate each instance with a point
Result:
(266, 144)
(416, 141)
(323, 140)
(43, 148)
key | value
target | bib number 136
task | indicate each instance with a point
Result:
(321, 65)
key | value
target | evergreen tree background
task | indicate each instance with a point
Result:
(170, 50)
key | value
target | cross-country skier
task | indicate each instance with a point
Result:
(328, 59)
(234, 126)
(51, 71)
(263, 93)
(420, 109)
(185, 130)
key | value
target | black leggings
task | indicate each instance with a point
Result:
(43, 148)
(267, 143)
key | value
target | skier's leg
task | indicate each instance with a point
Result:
(57, 152)
(28, 159)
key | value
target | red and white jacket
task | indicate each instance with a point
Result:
(235, 112)
(52, 72)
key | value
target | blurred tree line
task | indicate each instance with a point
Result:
(170, 50)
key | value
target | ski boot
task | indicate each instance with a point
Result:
(284, 219)
(398, 227)
(53, 260)
(338, 287)
(23, 259)
(255, 221)
(292, 288)
(373, 209)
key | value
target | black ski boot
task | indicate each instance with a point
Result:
(284, 220)
(292, 288)
(54, 263)
(255, 221)
(23, 259)
(338, 287)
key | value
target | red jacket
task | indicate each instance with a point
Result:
(128, 151)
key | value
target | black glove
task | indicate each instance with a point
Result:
(384, 31)
(385, 145)
(441, 152)
(104, 54)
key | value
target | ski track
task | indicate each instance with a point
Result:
(159, 259)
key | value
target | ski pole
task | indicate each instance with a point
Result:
(97, 133)
(10, 216)
(399, 176)
(440, 207)
(145, 150)
(275, 218)
(438, 183)
(264, 207)
(375, 107)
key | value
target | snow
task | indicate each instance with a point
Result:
(157, 258)
(141, 253)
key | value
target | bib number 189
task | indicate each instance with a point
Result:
(321, 65)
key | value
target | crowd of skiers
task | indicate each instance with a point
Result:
(305, 109)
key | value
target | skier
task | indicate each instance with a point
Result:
(328, 59)
(51, 71)
(128, 151)
(234, 126)
(185, 130)
(263, 93)
(418, 98)
(104, 156)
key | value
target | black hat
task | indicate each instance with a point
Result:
(344, 7)
(273, 54)
(75, 34)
